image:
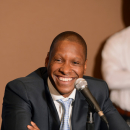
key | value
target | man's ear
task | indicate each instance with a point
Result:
(47, 60)
(85, 66)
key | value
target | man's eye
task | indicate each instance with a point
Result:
(58, 60)
(76, 63)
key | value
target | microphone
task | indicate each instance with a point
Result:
(82, 86)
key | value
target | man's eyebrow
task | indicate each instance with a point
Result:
(62, 55)
(57, 55)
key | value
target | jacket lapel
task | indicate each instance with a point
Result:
(79, 112)
(54, 122)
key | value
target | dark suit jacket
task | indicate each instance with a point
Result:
(29, 99)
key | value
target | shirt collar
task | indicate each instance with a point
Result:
(56, 95)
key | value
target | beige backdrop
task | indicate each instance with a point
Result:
(27, 28)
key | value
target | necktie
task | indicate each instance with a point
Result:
(64, 122)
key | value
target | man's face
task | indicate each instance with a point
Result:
(65, 64)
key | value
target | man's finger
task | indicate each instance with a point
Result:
(33, 127)
(30, 127)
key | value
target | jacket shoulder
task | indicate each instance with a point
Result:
(34, 79)
(97, 86)
(35, 76)
(92, 79)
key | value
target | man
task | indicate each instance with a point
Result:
(36, 97)
(116, 70)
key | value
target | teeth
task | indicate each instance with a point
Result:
(65, 79)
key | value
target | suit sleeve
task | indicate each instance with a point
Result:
(116, 122)
(16, 113)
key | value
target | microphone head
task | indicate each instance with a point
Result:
(80, 83)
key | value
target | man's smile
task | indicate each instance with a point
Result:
(65, 79)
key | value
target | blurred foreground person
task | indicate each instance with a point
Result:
(116, 70)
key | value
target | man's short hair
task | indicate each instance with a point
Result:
(70, 36)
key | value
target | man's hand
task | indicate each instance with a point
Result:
(33, 127)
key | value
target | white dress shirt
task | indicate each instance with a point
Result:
(116, 68)
(55, 96)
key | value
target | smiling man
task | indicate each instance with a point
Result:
(42, 96)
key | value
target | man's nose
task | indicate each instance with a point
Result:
(65, 68)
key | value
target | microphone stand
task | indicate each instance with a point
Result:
(90, 120)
